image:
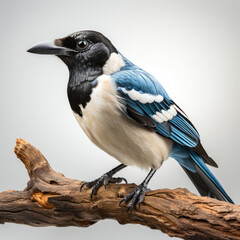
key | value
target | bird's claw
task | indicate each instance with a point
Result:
(102, 181)
(136, 197)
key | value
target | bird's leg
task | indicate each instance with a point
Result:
(104, 180)
(137, 196)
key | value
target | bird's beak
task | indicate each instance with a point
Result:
(51, 48)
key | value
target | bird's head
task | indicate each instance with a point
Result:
(84, 51)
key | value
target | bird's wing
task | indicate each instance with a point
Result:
(147, 103)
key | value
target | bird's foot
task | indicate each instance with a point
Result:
(102, 181)
(136, 196)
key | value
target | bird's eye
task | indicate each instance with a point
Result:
(82, 44)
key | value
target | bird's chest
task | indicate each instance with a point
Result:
(102, 112)
(106, 125)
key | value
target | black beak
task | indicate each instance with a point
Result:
(51, 48)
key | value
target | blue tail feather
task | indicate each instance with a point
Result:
(199, 173)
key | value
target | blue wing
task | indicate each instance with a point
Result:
(148, 103)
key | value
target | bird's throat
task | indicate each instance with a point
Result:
(80, 86)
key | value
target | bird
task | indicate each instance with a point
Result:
(126, 112)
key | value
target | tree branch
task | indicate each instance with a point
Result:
(52, 199)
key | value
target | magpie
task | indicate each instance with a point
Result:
(127, 113)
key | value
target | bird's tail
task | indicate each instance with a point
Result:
(203, 179)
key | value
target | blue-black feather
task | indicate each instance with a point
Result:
(203, 167)
(199, 173)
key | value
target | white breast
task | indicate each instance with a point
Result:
(107, 126)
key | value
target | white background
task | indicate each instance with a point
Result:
(192, 47)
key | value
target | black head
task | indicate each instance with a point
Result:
(84, 49)
(85, 53)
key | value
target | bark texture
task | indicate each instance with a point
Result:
(52, 199)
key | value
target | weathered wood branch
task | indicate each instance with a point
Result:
(52, 199)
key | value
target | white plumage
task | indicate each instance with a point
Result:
(113, 64)
(157, 118)
(142, 97)
(165, 115)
